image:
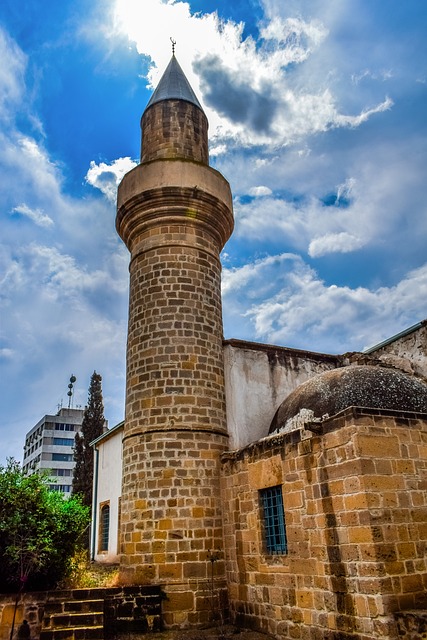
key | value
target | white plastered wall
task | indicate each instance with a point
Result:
(257, 380)
(108, 478)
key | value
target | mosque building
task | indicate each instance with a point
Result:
(287, 486)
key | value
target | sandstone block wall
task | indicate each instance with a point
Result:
(174, 129)
(355, 505)
(175, 368)
(175, 425)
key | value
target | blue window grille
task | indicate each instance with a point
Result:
(105, 528)
(274, 520)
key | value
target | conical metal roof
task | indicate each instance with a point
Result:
(174, 85)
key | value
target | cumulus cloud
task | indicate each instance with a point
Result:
(106, 177)
(248, 87)
(334, 243)
(260, 191)
(291, 305)
(319, 214)
(27, 173)
(63, 278)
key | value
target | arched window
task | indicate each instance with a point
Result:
(104, 522)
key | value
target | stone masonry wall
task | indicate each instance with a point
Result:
(175, 362)
(175, 520)
(408, 352)
(126, 609)
(355, 505)
(174, 129)
(175, 218)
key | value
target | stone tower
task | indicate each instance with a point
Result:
(174, 213)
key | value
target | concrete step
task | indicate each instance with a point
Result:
(69, 633)
(92, 606)
(73, 620)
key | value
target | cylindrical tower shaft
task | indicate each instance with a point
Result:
(175, 215)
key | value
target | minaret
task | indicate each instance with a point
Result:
(174, 213)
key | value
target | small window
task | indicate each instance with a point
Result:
(62, 457)
(65, 442)
(274, 520)
(104, 527)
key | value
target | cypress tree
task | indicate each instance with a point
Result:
(92, 427)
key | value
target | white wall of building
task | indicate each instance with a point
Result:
(107, 490)
(257, 380)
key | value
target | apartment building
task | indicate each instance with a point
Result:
(49, 445)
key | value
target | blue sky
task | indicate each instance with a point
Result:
(317, 116)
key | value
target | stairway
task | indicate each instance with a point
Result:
(80, 616)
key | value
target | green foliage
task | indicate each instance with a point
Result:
(39, 530)
(85, 574)
(92, 427)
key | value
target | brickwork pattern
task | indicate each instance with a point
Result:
(175, 359)
(175, 218)
(174, 129)
(175, 426)
(355, 505)
(173, 517)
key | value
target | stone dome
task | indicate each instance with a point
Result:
(365, 386)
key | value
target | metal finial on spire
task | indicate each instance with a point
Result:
(173, 45)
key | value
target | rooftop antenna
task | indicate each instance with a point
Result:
(70, 389)
(173, 45)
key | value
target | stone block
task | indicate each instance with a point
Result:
(178, 601)
(304, 599)
(195, 570)
(8, 612)
(378, 446)
(359, 534)
(355, 501)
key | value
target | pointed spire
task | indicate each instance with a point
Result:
(174, 85)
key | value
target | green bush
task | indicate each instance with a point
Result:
(40, 531)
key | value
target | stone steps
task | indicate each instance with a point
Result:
(76, 633)
(73, 619)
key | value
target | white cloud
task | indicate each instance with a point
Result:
(63, 279)
(249, 97)
(27, 174)
(334, 243)
(346, 189)
(12, 70)
(36, 215)
(283, 301)
(355, 121)
(296, 34)
(260, 191)
(106, 177)
(6, 354)
(325, 211)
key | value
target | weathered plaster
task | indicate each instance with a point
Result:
(258, 378)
